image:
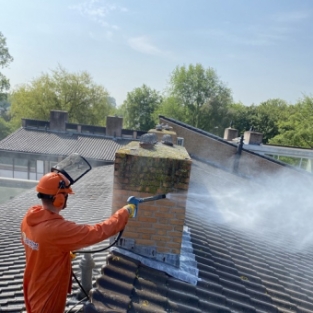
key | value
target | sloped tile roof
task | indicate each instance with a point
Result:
(240, 270)
(38, 141)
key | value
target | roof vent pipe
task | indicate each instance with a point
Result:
(252, 137)
(58, 120)
(237, 156)
(114, 126)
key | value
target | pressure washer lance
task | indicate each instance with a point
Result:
(136, 201)
(130, 200)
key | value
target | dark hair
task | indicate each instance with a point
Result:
(44, 196)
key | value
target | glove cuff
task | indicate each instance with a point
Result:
(128, 209)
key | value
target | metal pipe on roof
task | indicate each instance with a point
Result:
(86, 265)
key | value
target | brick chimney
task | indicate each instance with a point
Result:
(114, 126)
(252, 137)
(230, 133)
(157, 230)
(58, 120)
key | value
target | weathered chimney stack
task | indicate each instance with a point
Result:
(114, 126)
(230, 133)
(157, 231)
(252, 137)
(58, 120)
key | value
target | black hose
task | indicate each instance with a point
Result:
(91, 251)
(79, 302)
(80, 285)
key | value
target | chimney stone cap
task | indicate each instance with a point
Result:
(252, 137)
(161, 126)
(60, 111)
(159, 150)
(115, 116)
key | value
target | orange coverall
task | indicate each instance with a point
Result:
(48, 239)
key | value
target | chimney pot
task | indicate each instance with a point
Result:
(230, 134)
(252, 137)
(58, 120)
(114, 126)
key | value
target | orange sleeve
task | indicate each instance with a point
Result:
(69, 236)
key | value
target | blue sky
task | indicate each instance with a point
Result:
(261, 49)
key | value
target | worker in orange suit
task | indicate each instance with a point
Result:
(48, 240)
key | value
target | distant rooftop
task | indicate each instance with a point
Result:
(59, 138)
(26, 140)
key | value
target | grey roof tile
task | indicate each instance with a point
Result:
(41, 142)
(213, 307)
(263, 306)
(153, 301)
(111, 301)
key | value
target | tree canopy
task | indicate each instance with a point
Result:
(171, 107)
(202, 94)
(5, 60)
(295, 128)
(76, 93)
(139, 108)
(262, 118)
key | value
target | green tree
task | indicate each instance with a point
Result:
(266, 116)
(76, 93)
(5, 108)
(296, 128)
(5, 60)
(5, 128)
(170, 107)
(239, 117)
(263, 117)
(202, 94)
(139, 108)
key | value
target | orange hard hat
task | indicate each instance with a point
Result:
(54, 183)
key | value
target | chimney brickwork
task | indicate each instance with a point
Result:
(230, 133)
(114, 126)
(253, 137)
(58, 120)
(157, 230)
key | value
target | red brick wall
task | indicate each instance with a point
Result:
(159, 223)
(143, 173)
